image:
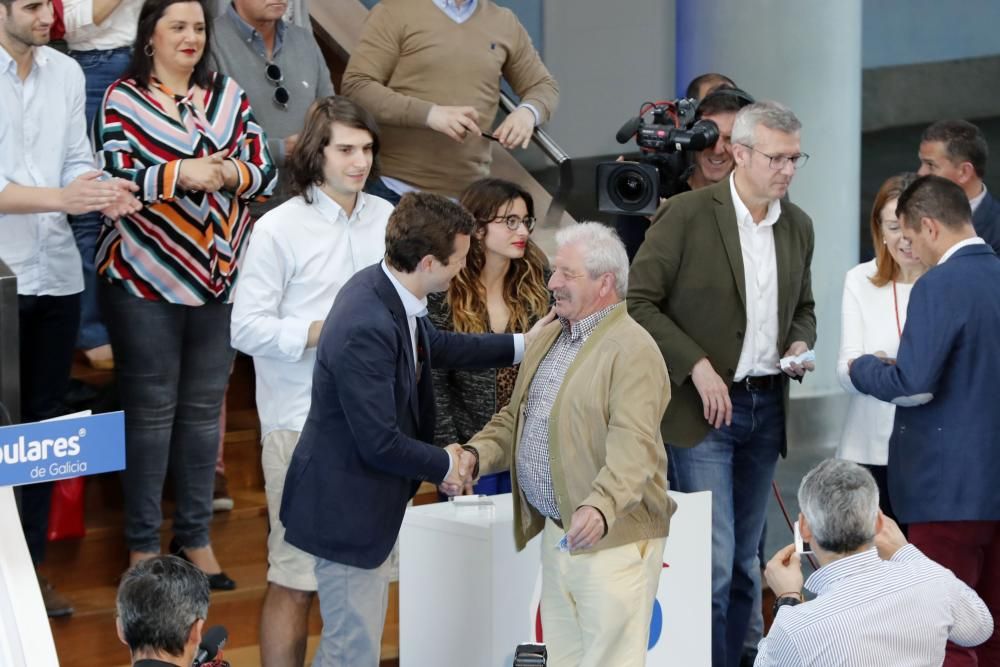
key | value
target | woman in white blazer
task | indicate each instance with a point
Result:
(873, 315)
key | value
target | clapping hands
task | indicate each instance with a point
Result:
(463, 466)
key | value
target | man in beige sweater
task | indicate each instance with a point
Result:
(581, 438)
(429, 70)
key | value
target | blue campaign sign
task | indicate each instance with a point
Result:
(62, 448)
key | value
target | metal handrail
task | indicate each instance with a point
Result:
(540, 137)
(10, 358)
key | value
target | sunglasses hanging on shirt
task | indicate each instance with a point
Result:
(274, 75)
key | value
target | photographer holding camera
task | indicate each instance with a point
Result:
(162, 605)
(677, 173)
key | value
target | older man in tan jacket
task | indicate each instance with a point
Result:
(581, 438)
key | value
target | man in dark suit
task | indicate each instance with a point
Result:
(957, 150)
(944, 453)
(722, 283)
(364, 448)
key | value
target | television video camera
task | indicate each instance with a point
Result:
(635, 188)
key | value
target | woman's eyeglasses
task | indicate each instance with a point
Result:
(274, 75)
(514, 221)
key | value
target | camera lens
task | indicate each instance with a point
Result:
(630, 188)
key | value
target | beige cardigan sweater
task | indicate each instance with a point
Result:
(605, 448)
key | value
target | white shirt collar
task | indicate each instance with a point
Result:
(330, 209)
(978, 199)
(7, 62)
(413, 306)
(975, 240)
(743, 215)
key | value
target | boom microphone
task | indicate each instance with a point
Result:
(628, 130)
(212, 641)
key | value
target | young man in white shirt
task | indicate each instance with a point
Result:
(300, 256)
(47, 170)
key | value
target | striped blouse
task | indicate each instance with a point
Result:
(183, 247)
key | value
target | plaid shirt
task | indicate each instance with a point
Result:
(534, 474)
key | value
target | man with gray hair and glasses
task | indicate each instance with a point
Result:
(162, 605)
(588, 468)
(722, 283)
(879, 600)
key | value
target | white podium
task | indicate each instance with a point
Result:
(466, 597)
(25, 635)
(464, 592)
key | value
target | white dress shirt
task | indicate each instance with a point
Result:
(975, 240)
(759, 355)
(871, 612)
(43, 143)
(978, 199)
(299, 257)
(116, 31)
(867, 325)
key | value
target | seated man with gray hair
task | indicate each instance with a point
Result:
(162, 605)
(581, 438)
(878, 599)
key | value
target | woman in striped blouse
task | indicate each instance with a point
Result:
(188, 138)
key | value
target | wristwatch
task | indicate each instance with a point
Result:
(785, 600)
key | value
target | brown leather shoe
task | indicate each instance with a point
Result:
(56, 604)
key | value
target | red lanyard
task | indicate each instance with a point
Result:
(895, 303)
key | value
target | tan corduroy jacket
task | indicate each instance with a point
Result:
(605, 448)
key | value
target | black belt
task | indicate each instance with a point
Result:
(758, 383)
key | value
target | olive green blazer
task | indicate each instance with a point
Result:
(687, 288)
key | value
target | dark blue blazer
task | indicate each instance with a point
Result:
(944, 455)
(364, 448)
(986, 220)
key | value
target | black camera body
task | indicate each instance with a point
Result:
(635, 188)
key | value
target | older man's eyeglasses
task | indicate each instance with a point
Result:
(778, 162)
(274, 75)
(515, 221)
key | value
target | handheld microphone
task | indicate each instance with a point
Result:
(212, 641)
(628, 130)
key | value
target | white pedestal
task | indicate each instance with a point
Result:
(464, 592)
(25, 635)
(467, 598)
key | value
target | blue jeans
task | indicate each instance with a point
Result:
(736, 463)
(172, 366)
(101, 69)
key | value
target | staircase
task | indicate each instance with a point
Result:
(87, 570)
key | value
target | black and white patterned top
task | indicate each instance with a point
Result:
(534, 473)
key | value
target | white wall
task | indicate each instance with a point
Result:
(608, 57)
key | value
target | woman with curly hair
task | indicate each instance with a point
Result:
(502, 289)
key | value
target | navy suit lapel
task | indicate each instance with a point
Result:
(387, 293)
(423, 397)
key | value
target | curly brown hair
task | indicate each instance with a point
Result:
(524, 290)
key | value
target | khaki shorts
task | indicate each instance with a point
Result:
(288, 566)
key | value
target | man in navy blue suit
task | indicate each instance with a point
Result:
(957, 150)
(944, 453)
(364, 449)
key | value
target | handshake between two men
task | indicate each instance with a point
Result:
(463, 472)
(585, 528)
